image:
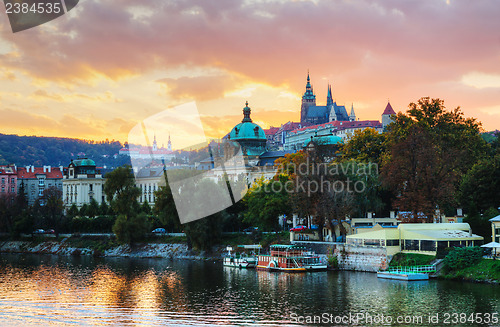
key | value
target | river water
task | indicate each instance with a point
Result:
(80, 291)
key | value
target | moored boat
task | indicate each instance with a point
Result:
(241, 259)
(290, 258)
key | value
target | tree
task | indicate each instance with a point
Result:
(202, 233)
(104, 209)
(132, 228)
(72, 211)
(122, 193)
(120, 190)
(429, 149)
(7, 211)
(365, 185)
(53, 208)
(266, 201)
(165, 206)
(93, 208)
(146, 208)
(365, 145)
(480, 187)
(318, 191)
(83, 210)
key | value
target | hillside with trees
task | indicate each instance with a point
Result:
(56, 151)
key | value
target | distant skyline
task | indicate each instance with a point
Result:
(97, 71)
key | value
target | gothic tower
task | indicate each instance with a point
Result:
(308, 100)
(352, 116)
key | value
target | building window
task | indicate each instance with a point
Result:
(372, 242)
(411, 245)
(41, 182)
(428, 246)
(3, 188)
(40, 191)
(3, 180)
(392, 242)
(12, 189)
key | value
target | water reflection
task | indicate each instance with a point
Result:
(38, 290)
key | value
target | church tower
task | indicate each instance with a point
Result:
(155, 145)
(352, 116)
(308, 100)
(169, 145)
(330, 105)
(387, 115)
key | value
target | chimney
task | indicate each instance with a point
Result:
(393, 214)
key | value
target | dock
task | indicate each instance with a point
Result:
(410, 273)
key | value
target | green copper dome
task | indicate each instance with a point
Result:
(84, 162)
(247, 130)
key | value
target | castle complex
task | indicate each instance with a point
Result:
(313, 114)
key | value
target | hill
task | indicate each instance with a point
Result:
(56, 151)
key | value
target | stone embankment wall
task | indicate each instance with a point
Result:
(148, 250)
(351, 257)
(362, 258)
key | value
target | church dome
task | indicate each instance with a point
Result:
(247, 130)
(84, 162)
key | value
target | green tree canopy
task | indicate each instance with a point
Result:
(266, 201)
(429, 149)
(365, 145)
(120, 190)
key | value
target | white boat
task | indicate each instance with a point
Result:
(243, 259)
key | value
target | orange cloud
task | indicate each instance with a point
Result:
(369, 50)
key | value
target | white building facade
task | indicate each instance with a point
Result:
(82, 182)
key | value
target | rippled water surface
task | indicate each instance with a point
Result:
(68, 291)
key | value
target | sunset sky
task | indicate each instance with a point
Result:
(107, 65)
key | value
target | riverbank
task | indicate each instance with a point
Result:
(107, 248)
(172, 247)
(484, 271)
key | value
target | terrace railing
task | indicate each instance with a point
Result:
(412, 269)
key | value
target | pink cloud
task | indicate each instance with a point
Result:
(369, 50)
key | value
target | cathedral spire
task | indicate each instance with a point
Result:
(329, 98)
(309, 94)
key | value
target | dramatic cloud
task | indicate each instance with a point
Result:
(259, 51)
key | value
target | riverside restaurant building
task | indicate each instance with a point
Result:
(416, 238)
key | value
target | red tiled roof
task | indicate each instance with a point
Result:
(341, 125)
(55, 172)
(271, 130)
(388, 110)
(290, 126)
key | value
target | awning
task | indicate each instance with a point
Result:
(491, 245)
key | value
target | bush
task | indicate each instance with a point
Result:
(461, 258)
(101, 224)
(131, 229)
(411, 259)
(333, 261)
